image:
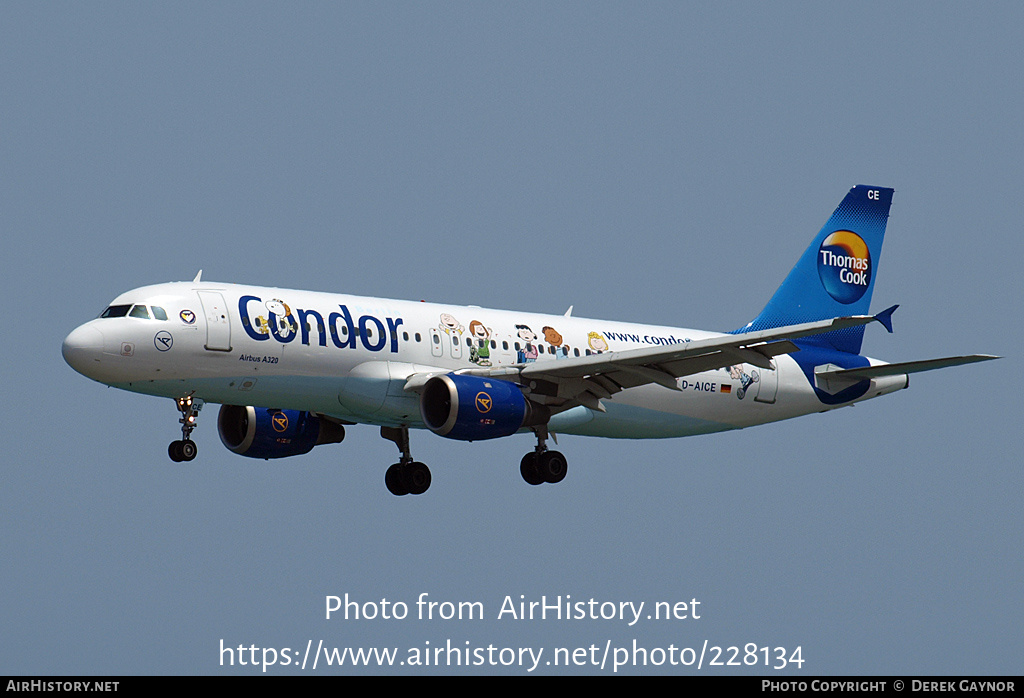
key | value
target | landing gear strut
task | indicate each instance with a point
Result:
(543, 465)
(186, 449)
(406, 476)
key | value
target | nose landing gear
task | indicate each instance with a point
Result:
(186, 449)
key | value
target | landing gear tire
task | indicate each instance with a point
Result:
(552, 466)
(529, 469)
(182, 451)
(394, 481)
(417, 477)
(407, 478)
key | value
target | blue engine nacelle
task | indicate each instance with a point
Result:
(469, 408)
(259, 432)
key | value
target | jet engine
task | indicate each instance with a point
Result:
(469, 408)
(260, 432)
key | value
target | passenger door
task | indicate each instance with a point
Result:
(218, 323)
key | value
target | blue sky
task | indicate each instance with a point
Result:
(663, 163)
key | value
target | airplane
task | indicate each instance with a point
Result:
(291, 369)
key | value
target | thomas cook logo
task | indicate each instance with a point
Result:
(844, 265)
(483, 402)
(280, 421)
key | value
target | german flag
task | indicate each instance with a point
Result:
(726, 388)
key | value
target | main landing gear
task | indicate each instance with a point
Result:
(543, 465)
(411, 477)
(186, 449)
(406, 476)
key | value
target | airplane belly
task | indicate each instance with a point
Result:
(623, 421)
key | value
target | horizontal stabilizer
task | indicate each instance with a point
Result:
(912, 366)
(832, 378)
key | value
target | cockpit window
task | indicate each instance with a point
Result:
(139, 311)
(116, 311)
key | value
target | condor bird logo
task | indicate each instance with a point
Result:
(483, 402)
(163, 341)
(844, 265)
(280, 421)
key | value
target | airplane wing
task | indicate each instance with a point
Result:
(585, 380)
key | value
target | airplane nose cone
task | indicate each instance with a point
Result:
(83, 348)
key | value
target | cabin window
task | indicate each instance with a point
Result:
(417, 336)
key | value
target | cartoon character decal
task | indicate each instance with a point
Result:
(552, 336)
(277, 307)
(480, 350)
(596, 342)
(282, 312)
(528, 352)
(746, 379)
(450, 326)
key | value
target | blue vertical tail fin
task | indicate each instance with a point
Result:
(836, 273)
